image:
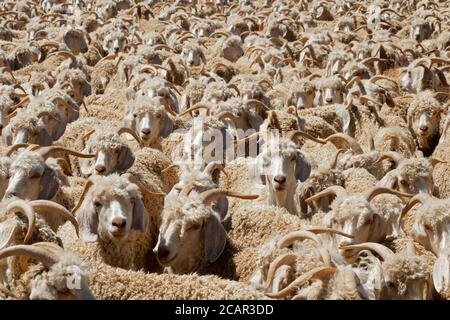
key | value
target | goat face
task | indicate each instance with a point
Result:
(416, 79)
(111, 210)
(396, 287)
(26, 128)
(112, 155)
(75, 41)
(432, 225)
(279, 166)
(188, 235)
(424, 123)
(31, 178)
(62, 282)
(149, 124)
(421, 31)
(354, 215)
(193, 56)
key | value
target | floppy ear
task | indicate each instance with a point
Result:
(7, 137)
(140, 216)
(129, 121)
(86, 164)
(44, 138)
(58, 130)
(49, 184)
(377, 229)
(255, 120)
(130, 93)
(389, 181)
(256, 171)
(126, 159)
(344, 116)
(166, 127)
(86, 88)
(7, 233)
(202, 56)
(441, 273)
(87, 219)
(215, 239)
(174, 104)
(302, 168)
(221, 207)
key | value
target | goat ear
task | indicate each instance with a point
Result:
(129, 122)
(221, 207)
(59, 129)
(130, 93)
(126, 159)
(6, 136)
(174, 104)
(345, 117)
(377, 229)
(302, 168)
(256, 171)
(44, 138)
(86, 89)
(86, 164)
(215, 239)
(441, 273)
(7, 232)
(140, 216)
(87, 219)
(167, 126)
(255, 120)
(389, 181)
(49, 184)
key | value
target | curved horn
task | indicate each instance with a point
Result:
(285, 259)
(24, 208)
(123, 130)
(45, 256)
(392, 155)
(301, 235)
(375, 191)
(319, 272)
(338, 191)
(418, 198)
(294, 134)
(383, 251)
(319, 230)
(210, 195)
(44, 206)
(9, 151)
(46, 152)
(89, 183)
(351, 142)
(199, 105)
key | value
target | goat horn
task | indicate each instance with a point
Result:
(375, 191)
(435, 161)
(123, 130)
(247, 139)
(228, 114)
(395, 156)
(315, 273)
(383, 251)
(374, 79)
(234, 87)
(257, 103)
(46, 152)
(63, 53)
(338, 191)
(418, 198)
(45, 256)
(214, 165)
(285, 259)
(14, 147)
(319, 230)
(354, 79)
(351, 142)
(24, 208)
(301, 235)
(44, 206)
(89, 183)
(210, 195)
(335, 158)
(199, 105)
(438, 60)
(173, 165)
(372, 59)
(186, 190)
(47, 113)
(294, 134)
(365, 99)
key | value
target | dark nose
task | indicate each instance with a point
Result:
(163, 252)
(328, 100)
(423, 128)
(280, 179)
(145, 131)
(100, 168)
(119, 223)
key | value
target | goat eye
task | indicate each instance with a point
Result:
(133, 200)
(158, 116)
(134, 115)
(35, 175)
(97, 204)
(404, 182)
